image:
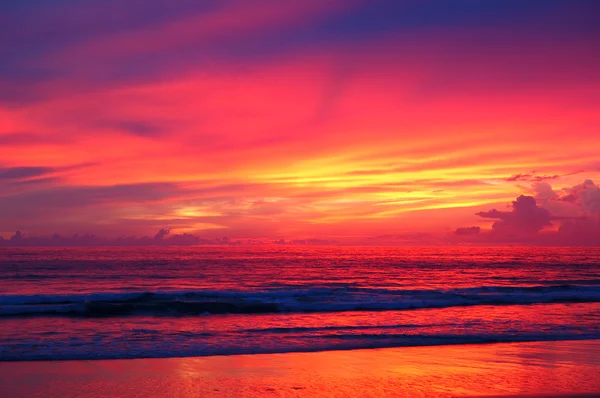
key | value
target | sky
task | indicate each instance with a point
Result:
(352, 121)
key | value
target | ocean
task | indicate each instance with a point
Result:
(92, 303)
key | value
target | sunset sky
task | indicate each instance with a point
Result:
(379, 121)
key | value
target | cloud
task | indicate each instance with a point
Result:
(15, 181)
(467, 231)
(137, 128)
(18, 173)
(577, 201)
(11, 174)
(575, 209)
(161, 233)
(79, 196)
(58, 206)
(526, 218)
(135, 44)
(19, 239)
(544, 192)
(531, 177)
(26, 138)
(586, 195)
(81, 43)
(581, 232)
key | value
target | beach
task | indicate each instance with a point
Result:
(560, 368)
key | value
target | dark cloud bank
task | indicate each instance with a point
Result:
(162, 238)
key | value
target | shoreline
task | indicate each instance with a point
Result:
(551, 368)
(309, 351)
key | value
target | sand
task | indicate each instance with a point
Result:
(567, 368)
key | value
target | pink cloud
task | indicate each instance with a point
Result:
(576, 211)
(525, 218)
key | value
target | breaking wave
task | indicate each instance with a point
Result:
(338, 299)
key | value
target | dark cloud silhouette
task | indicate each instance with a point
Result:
(531, 177)
(161, 238)
(56, 240)
(36, 182)
(141, 129)
(467, 231)
(518, 177)
(162, 233)
(526, 217)
(11, 178)
(17, 173)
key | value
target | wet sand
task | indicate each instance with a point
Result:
(567, 368)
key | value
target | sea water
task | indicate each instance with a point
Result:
(87, 303)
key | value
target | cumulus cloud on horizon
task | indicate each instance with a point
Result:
(575, 211)
(525, 218)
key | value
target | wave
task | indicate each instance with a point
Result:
(330, 343)
(287, 301)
